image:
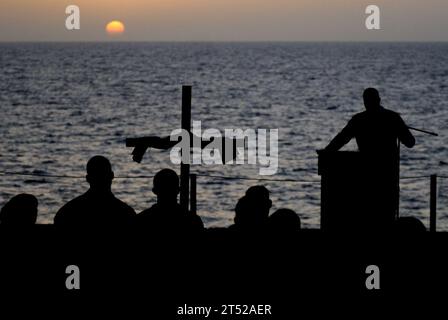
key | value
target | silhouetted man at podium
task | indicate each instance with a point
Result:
(378, 132)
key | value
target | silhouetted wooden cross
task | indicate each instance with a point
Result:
(140, 146)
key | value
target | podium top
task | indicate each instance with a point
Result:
(330, 161)
(340, 162)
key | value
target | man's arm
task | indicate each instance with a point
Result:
(342, 138)
(404, 134)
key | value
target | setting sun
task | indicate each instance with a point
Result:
(115, 27)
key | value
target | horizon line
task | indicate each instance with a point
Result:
(224, 41)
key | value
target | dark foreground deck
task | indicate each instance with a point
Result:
(218, 267)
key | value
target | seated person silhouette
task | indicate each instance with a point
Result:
(378, 132)
(21, 210)
(284, 221)
(167, 215)
(98, 206)
(252, 210)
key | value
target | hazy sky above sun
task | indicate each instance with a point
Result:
(225, 20)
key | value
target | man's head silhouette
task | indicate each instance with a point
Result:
(259, 196)
(371, 99)
(252, 210)
(166, 185)
(242, 212)
(99, 173)
(284, 220)
(20, 210)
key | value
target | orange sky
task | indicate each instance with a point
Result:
(225, 20)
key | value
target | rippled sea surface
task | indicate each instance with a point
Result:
(61, 104)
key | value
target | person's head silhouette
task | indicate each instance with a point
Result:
(372, 99)
(166, 186)
(242, 212)
(99, 173)
(284, 220)
(20, 210)
(252, 210)
(259, 199)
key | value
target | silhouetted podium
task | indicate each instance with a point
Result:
(357, 192)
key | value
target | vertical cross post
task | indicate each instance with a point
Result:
(433, 204)
(193, 203)
(185, 167)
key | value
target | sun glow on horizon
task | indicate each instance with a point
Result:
(115, 28)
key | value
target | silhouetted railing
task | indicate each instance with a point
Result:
(193, 180)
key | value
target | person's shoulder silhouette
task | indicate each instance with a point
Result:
(409, 225)
(98, 206)
(167, 214)
(20, 210)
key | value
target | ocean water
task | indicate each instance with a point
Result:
(62, 103)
